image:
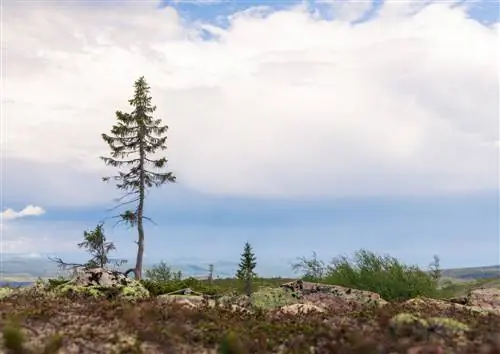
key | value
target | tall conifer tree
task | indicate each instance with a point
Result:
(134, 138)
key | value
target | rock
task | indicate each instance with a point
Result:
(331, 302)
(100, 277)
(300, 308)
(419, 302)
(487, 299)
(302, 288)
(185, 303)
(103, 282)
(193, 299)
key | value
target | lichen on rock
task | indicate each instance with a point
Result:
(411, 324)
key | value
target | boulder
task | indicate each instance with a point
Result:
(171, 298)
(487, 299)
(300, 308)
(100, 277)
(103, 282)
(419, 302)
(301, 288)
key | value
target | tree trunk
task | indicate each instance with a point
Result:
(140, 210)
(140, 244)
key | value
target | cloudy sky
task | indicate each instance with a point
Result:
(299, 126)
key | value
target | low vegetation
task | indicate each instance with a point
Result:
(33, 324)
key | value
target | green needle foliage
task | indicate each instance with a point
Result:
(95, 243)
(246, 268)
(134, 139)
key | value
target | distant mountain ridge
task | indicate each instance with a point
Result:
(472, 273)
(30, 267)
(27, 267)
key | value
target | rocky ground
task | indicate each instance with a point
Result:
(297, 318)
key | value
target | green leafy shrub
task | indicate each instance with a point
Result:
(162, 272)
(384, 275)
(313, 269)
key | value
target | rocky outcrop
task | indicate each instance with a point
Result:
(100, 277)
(300, 308)
(302, 289)
(94, 282)
(103, 282)
(486, 299)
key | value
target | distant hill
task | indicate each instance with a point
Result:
(472, 273)
(28, 268)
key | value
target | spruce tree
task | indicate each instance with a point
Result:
(246, 268)
(134, 138)
(95, 243)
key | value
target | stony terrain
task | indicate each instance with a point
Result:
(102, 312)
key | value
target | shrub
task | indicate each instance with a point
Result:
(384, 275)
(313, 269)
(162, 272)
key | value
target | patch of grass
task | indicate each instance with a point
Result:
(13, 338)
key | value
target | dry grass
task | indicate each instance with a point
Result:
(32, 325)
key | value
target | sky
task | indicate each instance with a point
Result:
(298, 126)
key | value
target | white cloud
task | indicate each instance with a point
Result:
(30, 210)
(20, 242)
(284, 104)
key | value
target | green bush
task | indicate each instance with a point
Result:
(162, 272)
(384, 275)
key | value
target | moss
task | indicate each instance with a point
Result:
(448, 324)
(134, 291)
(407, 318)
(407, 324)
(131, 292)
(4, 292)
(271, 298)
